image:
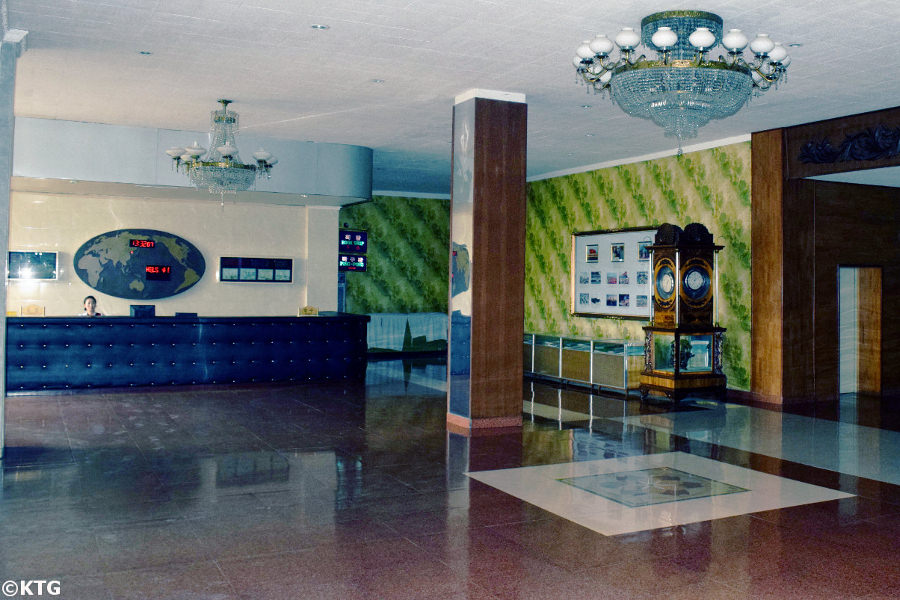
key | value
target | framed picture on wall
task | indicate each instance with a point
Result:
(255, 270)
(643, 249)
(618, 276)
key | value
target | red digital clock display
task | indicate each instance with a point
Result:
(143, 244)
(158, 272)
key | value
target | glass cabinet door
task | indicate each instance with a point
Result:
(696, 353)
(663, 356)
(546, 355)
(693, 352)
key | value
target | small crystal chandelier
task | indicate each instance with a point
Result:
(221, 170)
(683, 88)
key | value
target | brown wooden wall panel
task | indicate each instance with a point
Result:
(802, 231)
(766, 257)
(498, 277)
(799, 355)
(856, 225)
(869, 302)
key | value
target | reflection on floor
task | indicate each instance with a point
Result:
(358, 491)
(845, 447)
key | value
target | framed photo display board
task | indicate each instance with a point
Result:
(255, 270)
(611, 273)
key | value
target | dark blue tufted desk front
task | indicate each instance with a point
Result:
(53, 353)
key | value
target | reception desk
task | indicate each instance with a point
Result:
(55, 353)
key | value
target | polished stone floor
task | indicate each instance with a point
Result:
(358, 491)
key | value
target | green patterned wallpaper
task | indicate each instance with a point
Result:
(710, 187)
(408, 255)
(408, 241)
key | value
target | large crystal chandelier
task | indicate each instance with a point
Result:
(683, 88)
(221, 170)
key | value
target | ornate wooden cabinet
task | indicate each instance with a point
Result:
(683, 342)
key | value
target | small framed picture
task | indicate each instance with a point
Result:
(583, 298)
(644, 249)
(623, 278)
(642, 277)
(583, 277)
(624, 300)
(612, 279)
(640, 300)
(612, 300)
(591, 253)
(595, 277)
(617, 252)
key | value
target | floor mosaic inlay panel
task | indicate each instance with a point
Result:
(651, 486)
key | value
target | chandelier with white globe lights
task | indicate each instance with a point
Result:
(221, 170)
(683, 88)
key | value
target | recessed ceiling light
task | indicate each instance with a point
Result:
(319, 26)
(145, 52)
(589, 135)
(795, 44)
(378, 81)
(586, 106)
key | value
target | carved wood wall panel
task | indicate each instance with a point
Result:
(864, 141)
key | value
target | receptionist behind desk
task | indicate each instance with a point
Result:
(90, 307)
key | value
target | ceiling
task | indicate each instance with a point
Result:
(385, 72)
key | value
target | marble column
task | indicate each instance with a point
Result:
(487, 280)
(10, 48)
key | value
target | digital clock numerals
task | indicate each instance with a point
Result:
(142, 244)
(158, 272)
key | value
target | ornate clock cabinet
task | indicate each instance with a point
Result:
(683, 342)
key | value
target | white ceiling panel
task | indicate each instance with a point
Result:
(83, 62)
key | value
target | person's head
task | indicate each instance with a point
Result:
(90, 304)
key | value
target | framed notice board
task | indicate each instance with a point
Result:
(611, 273)
(255, 270)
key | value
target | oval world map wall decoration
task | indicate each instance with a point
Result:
(139, 264)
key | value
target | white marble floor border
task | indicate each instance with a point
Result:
(539, 485)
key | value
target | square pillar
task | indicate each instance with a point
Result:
(10, 48)
(487, 257)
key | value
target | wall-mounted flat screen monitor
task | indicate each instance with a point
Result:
(31, 265)
(143, 310)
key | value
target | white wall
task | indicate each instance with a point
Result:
(62, 223)
(322, 257)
